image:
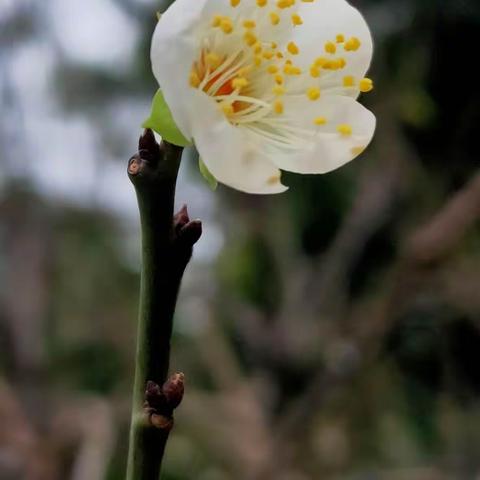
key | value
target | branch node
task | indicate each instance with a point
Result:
(160, 402)
(161, 422)
(134, 165)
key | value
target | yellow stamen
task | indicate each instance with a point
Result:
(239, 82)
(320, 62)
(314, 71)
(348, 81)
(293, 49)
(289, 69)
(262, 3)
(226, 25)
(272, 69)
(249, 24)
(278, 90)
(340, 38)
(331, 48)
(217, 20)
(278, 107)
(296, 19)
(344, 129)
(366, 85)
(257, 48)
(213, 60)
(244, 71)
(234, 3)
(358, 150)
(313, 93)
(333, 65)
(194, 79)
(250, 39)
(227, 108)
(352, 45)
(320, 121)
(274, 18)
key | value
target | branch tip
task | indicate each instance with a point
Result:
(148, 143)
(181, 218)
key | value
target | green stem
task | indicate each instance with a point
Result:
(167, 244)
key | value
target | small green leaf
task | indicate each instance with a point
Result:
(211, 180)
(162, 122)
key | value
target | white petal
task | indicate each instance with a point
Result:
(323, 21)
(329, 149)
(223, 7)
(227, 152)
(174, 49)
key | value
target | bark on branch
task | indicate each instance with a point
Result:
(167, 245)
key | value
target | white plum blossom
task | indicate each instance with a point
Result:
(262, 86)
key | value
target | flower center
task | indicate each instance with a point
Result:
(251, 77)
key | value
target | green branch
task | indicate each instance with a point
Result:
(167, 244)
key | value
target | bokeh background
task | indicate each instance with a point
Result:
(329, 333)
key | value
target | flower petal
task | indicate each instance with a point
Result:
(173, 51)
(323, 21)
(228, 153)
(328, 148)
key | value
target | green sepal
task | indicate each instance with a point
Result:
(211, 180)
(162, 122)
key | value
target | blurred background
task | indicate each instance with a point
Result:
(329, 333)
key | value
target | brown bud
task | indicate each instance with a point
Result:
(173, 390)
(154, 397)
(190, 233)
(147, 143)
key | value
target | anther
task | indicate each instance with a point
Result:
(366, 85)
(352, 45)
(313, 93)
(274, 18)
(331, 48)
(226, 25)
(296, 19)
(293, 49)
(278, 107)
(344, 129)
